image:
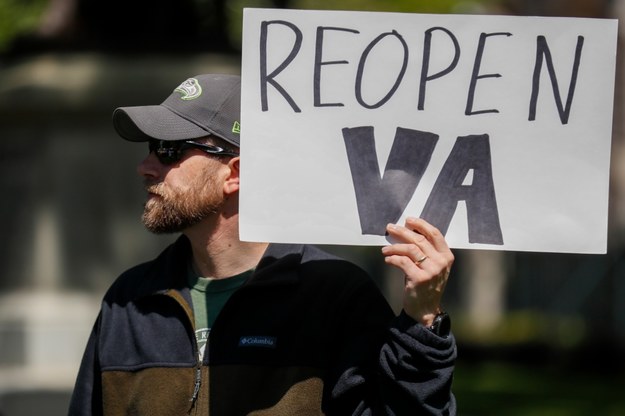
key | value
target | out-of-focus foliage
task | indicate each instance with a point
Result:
(494, 388)
(214, 24)
(235, 8)
(413, 6)
(18, 17)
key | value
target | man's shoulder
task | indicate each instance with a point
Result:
(307, 254)
(318, 261)
(151, 276)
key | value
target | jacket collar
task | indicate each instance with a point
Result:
(279, 265)
(168, 271)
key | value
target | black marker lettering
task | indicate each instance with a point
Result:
(361, 69)
(476, 74)
(470, 153)
(382, 200)
(425, 77)
(319, 63)
(542, 50)
(269, 78)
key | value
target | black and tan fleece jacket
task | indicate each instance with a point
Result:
(307, 334)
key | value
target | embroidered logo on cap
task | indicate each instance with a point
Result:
(236, 127)
(189, 89)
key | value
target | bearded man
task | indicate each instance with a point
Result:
(219, 326)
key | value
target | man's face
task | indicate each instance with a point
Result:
(181, 196)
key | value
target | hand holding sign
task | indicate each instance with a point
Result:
(423, 255)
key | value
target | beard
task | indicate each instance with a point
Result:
(174, 210)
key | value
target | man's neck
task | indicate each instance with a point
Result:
(217, 250)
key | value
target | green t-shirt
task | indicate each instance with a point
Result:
(209, 295)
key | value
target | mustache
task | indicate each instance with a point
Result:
(156, 188)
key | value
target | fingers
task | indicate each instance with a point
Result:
(416, 240)
(425, 231)
(407, 256)
(422, 253)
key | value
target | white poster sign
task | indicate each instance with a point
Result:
(496, 129)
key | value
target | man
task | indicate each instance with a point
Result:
(219, 326)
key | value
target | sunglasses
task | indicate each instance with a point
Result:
(170, 152)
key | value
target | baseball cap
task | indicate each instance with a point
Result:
(201, 105)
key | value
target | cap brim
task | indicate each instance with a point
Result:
(142, 123)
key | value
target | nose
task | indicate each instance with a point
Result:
(149, 167)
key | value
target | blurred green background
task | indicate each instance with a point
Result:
(538, 333)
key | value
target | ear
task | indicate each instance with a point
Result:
(231, 183)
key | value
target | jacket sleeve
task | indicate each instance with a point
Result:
(87, 395)
(390, 366)
(416, 370)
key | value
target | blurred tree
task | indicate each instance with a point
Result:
(18, 17)
(406, 6)
(148, 25)
(28, 26)
(570, 8)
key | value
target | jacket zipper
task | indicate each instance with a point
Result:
(198, 379)
(198, 367)
(198, 362)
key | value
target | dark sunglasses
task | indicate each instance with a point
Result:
(170, 152)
